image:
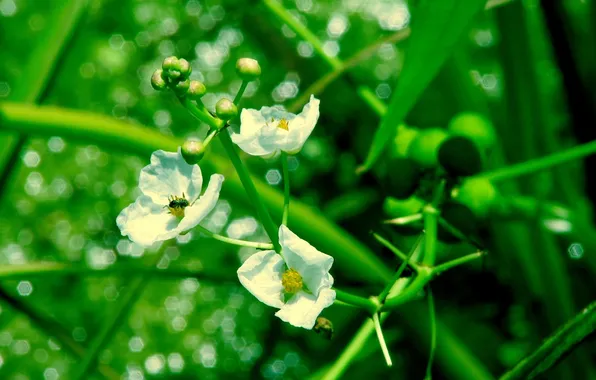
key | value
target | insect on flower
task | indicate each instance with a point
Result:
(177, 205)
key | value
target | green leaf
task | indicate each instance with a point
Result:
(437, 27)
(557, 346)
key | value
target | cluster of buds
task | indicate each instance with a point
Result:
(175, 74)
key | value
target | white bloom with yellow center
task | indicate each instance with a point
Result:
(170, 203)
(298, 283)
(270, 130)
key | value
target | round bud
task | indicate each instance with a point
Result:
(403, 178)
(170, 63)
(396, 208)
(403, 138)
(192, 151)
(157, 81)
(182, 87)
(248, 69)
(196, 90)
(478, 194)
(184, 68)
(424, 147)
(460, 156)
(460, 217)
(474, 126)
(225, 109)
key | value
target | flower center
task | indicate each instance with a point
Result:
(177, 205)
(291, 281)
(283, 124)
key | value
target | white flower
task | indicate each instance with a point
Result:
(170, 202)
(299, 283)
(271, 129)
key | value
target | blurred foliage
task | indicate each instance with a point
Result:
(63, 197)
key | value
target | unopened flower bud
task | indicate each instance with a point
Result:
(171, 68)
(184, 67)
(225, 109)
(248, 69)
(325, 327)
(192, 151)
(424, 147)
(157, 81)
(182, 87)
(196, 90)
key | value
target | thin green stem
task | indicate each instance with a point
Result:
(412, 292)
(453, 263)
(286, 173)
(240, 92)
(538, 164)
(381, 339)
(200, 114)
(405, 220)
(286, 17)
(358, 301)
(402, 256)
(242, 243)
(433, 333)
(399, 272)
(457, 233)
(249, 186)
(212, 133)
(431, 215)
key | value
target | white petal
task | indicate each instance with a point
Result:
(312, 264)
(250, 144)
(303, 309)
(261, 275)
(203, 206)
(144, 222)
(168, 174)
(302, 126)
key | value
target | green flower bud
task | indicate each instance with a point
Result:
(184, 67)
(248, 69)
(403, 178)
(182, 87)
(425, 146)
(157, 81)
(196, 90)
(170, 63)
(225, 109)
(478, 194)
(403, 138)
(397, 208)
(171, 69)
(474, 126)
(460, 217)
(192, 151)
(460, 156)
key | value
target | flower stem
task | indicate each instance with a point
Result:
(402, 256)
(433, 334)
(199, 114)
(542, 163)
(404, 220)
(354, 300)
(379, 331)
(249, 186)
(399, 272)
(243, 243)
(430, 234)
(453, 263)
(240, 92)
(286, 173)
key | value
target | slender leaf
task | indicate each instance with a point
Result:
(437, 27)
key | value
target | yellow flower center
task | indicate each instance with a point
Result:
(177, 205)
(291, 281)
(283, 124)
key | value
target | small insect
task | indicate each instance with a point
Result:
(177, 205)
(324, 327)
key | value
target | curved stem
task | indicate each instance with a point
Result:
(242, 243)
(430, 234)
(381, 339)
(240, 92)
(354, 300)
(399, 272)
(286, 173)
(453, 263)
(433, 334)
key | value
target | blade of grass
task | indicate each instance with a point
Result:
(436, 28)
